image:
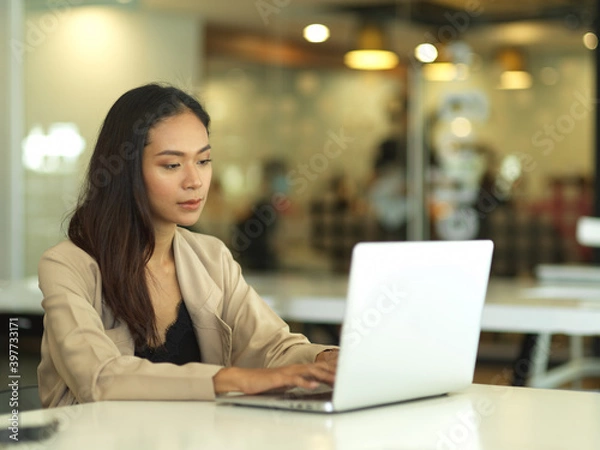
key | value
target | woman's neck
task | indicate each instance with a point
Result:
(163, 248)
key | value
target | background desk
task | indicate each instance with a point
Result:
(481, 417)
(512, 306)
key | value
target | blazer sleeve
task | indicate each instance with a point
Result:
(260, 337)
(83, 354)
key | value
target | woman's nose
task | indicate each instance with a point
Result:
(192, 178)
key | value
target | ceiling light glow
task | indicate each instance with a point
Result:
(515, 79)
(371, 59)
(444, 71)
(371, 52)
(461, 127)
(590, 40)
(316, 32)
(426, 53)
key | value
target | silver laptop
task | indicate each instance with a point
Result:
(411, 326)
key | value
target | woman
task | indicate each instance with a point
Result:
(138, 308)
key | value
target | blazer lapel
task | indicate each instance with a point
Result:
(204, 301)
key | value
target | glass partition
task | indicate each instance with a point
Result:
(514, 162)
(491, 138)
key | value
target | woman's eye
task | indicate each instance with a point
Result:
(204, 162)
(171, 166)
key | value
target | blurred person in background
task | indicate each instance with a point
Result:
(255, 231)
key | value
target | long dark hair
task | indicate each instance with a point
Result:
(112, 220)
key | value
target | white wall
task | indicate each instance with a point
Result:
(75, 69)
(11, 102)
(4, 144)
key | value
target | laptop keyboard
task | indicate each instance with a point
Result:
(296, 395)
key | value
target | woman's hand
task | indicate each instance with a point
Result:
(254, 381)
(329, 356)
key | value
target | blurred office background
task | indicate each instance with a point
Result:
(486, 132)
(469, 143)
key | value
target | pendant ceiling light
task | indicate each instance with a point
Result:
(514, 73)
(371, 52)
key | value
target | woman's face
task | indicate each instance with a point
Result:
(177, 170)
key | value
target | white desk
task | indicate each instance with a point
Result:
(481, 417)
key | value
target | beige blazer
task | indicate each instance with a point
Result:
(86, 355)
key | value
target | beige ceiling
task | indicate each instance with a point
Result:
(288, 17)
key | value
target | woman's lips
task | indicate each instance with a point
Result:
(191, 204)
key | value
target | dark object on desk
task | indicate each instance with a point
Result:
(27, 399)
(29, 433)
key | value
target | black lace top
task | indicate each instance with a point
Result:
(180, 346)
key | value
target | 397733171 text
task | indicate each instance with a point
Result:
(13, 376)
